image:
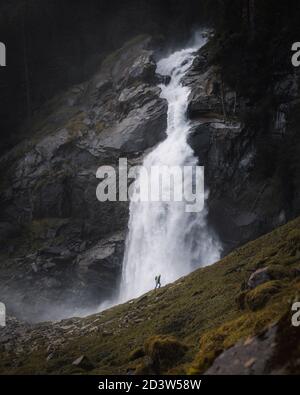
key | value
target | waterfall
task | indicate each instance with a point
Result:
(163, 238)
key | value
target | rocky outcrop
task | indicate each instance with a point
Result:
(65, 247)
(275, 351)
(260, 276)
(249, 150)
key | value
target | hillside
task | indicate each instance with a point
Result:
(184, 326)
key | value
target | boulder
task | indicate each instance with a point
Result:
(260, 276)
(83, 362)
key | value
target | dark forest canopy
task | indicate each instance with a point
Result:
(52, 44)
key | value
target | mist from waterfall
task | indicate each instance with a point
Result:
(162, 237)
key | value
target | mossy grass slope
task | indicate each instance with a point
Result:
(180, 328)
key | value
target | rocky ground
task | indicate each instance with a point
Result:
(231, 317)
(61, 248)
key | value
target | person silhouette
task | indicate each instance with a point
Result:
(157, 281)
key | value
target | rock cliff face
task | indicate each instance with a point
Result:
(249, 149)
(65, 247)
(61, 247)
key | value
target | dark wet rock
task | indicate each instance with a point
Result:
(238, 142)
(200, 140)
(141, 129)
(136, 96)
(207, 91)
(247, 357)
(163, 79)
(133, 64)
(103, 260)
(275, 351)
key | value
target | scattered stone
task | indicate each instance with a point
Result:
(83, 362)
(93, 329)
(138, 320)
(107, 333)
(49, 357)
(196, 293)
(34, 267)
(250, 363)
(248, 341)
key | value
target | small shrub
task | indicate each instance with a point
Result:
(145, 367)
(294, 236)
(137, 353)
(258, 297)
(164, 351)
(211, 346)
(240, 300)
(279, 272)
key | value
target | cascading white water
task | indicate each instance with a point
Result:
(163, 238)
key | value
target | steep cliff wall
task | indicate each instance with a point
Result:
(62, 248)
(246, 135)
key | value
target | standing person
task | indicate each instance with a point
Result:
(157, 281)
